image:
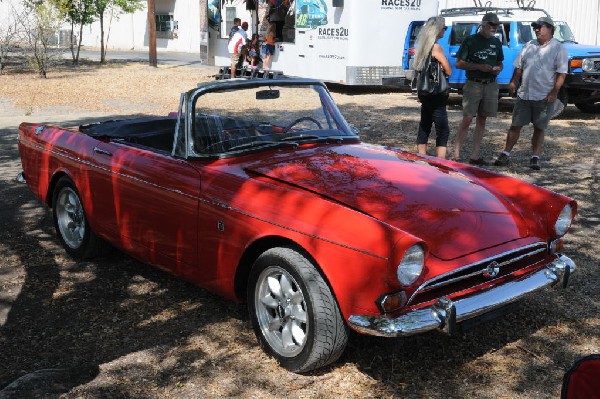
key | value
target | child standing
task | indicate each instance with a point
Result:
(269, 46)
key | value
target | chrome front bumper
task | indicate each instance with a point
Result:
(446, 314)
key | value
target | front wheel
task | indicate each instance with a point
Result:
(590, 107)
(293, 312)
(71, 223)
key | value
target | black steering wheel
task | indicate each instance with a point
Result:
(304, 118)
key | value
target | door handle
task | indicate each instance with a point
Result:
(101, 151)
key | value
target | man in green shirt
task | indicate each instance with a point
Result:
(481, 56)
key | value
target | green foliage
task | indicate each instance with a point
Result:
(120, 6)
(129, 6)
(79, 12)
(39, 30)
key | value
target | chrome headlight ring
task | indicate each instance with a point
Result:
(564, 220)
(587, 65)
(411, 266)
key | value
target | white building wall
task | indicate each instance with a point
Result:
(130, 31)
(583, 16)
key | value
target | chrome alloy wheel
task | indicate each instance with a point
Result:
(70, 217)
(281, 311)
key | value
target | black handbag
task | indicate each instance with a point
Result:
(431, 80)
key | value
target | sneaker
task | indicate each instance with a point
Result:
(503, 160)
(535, 163)
(478, 162)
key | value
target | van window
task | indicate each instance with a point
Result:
(414, 34)
(562, 32)
(460, 30)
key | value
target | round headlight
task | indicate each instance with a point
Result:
(412, 265)
(588, 64)
(564, 220)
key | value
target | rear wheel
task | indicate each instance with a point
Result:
(293, 311)
(590, 107)
(71, 223)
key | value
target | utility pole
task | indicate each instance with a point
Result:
(151, 35)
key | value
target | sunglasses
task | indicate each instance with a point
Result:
(493, 25)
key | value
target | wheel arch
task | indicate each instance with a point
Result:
(260, 246)
(52, 186)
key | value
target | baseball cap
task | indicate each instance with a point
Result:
(244, 25)
(491, 18)
(543, 20)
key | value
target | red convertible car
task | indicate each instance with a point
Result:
(259, 190)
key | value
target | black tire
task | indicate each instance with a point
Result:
(301, 325)
(589, 107)
(71, 224)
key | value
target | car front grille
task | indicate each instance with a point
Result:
(482, 272)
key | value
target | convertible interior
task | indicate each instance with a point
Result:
(153, 132)
(212, 133)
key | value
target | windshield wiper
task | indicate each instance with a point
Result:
(341, 139)
(260, 143)
(301, 137)
(327, 139)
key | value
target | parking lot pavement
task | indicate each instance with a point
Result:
(164, 58)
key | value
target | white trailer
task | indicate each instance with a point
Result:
(352, 42)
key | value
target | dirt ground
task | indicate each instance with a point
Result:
(116, 328)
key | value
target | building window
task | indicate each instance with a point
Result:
(165, 23)
(230, 14)
(166, 27)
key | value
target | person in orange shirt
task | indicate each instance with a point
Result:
(269, 46)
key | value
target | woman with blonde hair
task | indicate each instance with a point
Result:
(433, 107)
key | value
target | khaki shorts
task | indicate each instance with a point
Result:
(235, 58)
(530, 111)
(480, 99)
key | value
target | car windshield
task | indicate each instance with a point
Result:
(562, 32)
(264, 116)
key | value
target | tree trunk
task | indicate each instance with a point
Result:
(152, 59)
(71, 44)
(102, 49)
(79, 42)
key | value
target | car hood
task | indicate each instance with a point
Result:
(580, 50)
(451, 212)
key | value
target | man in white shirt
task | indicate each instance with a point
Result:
(541, 65)
(235, 46)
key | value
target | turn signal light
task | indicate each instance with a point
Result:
(390, 302)
(556, 246)
(576, 64)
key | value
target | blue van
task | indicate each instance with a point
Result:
(582, 84)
